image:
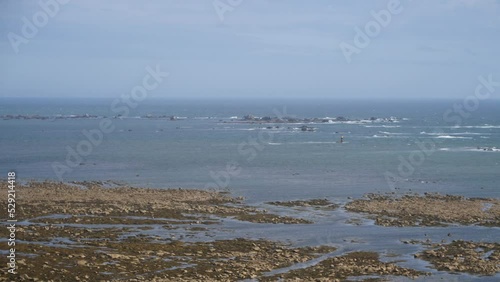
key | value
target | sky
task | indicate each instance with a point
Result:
(249, 48)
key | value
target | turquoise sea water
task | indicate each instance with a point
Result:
(204, 148)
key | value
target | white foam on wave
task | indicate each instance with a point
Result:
(470, 149)
(318, 142)
(356, 122)
(383, 126)
(314, 142)
(442, 135)
(452, 137)
(453, 134)
(469, 133)
(392, 133)
(486, 126)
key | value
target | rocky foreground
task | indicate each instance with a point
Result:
(90, 231)
(428, 210)
(462, 256)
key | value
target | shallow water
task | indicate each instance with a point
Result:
(288, 164)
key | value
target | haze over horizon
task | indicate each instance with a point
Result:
(429, 49)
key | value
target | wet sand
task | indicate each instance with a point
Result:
(94, 231)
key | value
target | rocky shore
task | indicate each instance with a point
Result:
(464, 257)
(429, 209)
(104, 231)
(352, 264)
(314, 203)
(92, 203)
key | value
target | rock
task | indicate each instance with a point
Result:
(81, 262)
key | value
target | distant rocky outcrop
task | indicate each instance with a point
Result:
(340, 119)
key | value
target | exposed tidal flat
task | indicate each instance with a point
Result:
(105, 231)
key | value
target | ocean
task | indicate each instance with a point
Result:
(285, 164)
(390, 146)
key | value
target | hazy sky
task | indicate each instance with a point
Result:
(276, 48)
